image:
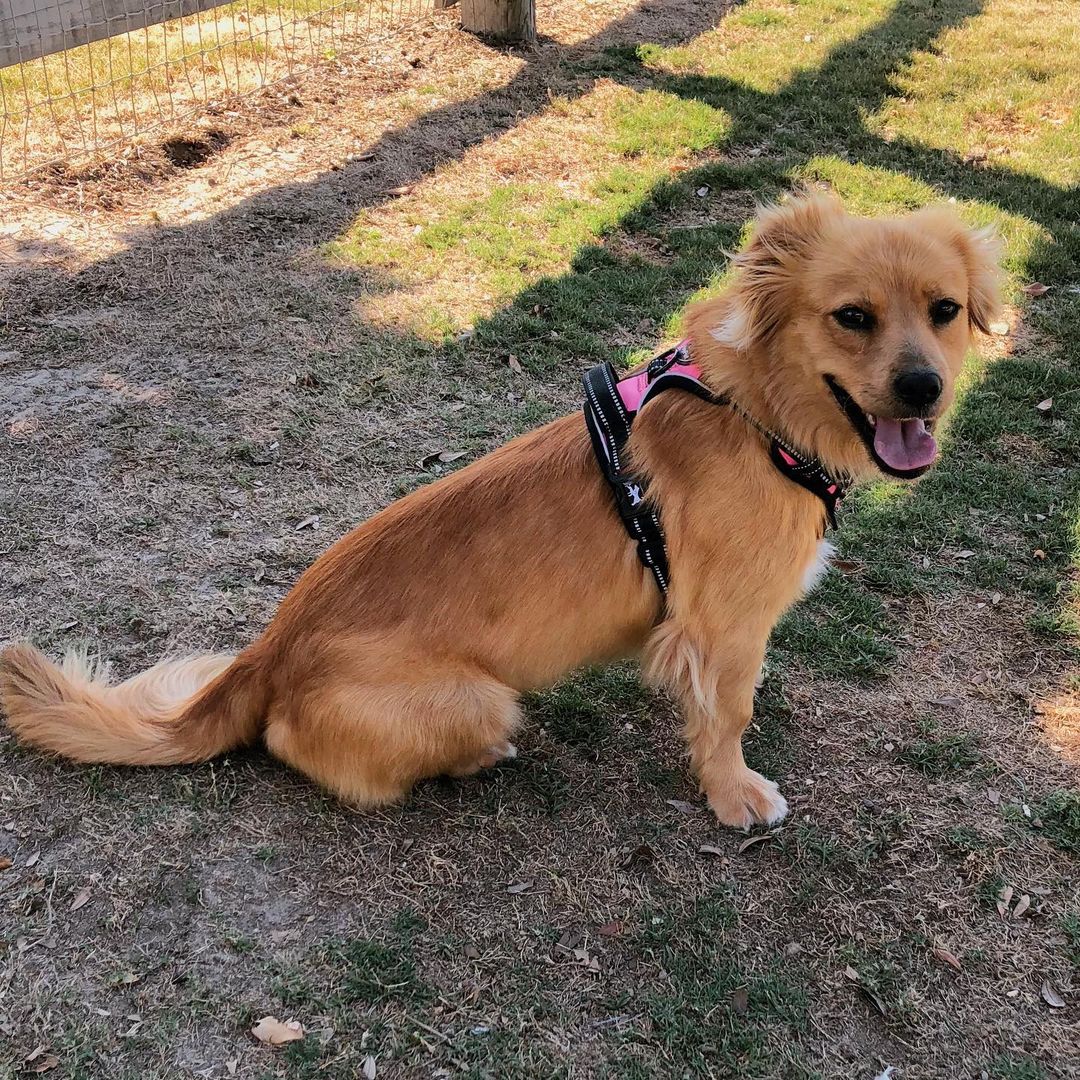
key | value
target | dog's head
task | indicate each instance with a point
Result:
(849, 333)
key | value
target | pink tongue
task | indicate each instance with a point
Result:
(904, 444)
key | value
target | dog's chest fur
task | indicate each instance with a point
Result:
(818, 566)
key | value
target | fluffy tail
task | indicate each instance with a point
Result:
(179, 711)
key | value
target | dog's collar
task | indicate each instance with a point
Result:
(611, 404)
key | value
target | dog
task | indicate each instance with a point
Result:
(401, 653)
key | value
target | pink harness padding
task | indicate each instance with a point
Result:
(633, 388)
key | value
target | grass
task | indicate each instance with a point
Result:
(937, 756)
(1059, 813)
(584, 711)
(705, 1011)
(1008, 1067)
(575, 913)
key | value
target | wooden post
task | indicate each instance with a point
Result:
(507, 20)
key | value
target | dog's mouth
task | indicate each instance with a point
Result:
(904, 448)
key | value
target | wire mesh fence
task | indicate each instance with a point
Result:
(79, 78)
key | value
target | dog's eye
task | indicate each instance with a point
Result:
(854, 318)
(943, 311)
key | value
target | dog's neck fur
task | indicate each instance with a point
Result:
(755, 378)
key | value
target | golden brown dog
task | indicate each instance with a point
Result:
(401, 653)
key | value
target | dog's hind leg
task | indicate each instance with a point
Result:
(715, 687)
(371, 742)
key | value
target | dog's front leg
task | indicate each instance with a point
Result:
(715, 686)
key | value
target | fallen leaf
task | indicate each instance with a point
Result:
(1046, 405)
(999, 329)
(1021, 906)
(1004, 897)
(878, 1003)
(307, 523)
(514, 364)
(946, 957)
(271, 1030)
(1051, 996)
(81, 898)
(945, 702)
(708, 849)
(471, 952)
(702, 191)
(851, 973)
(965, 554)
(740, 1002)
(847, 566)
(570, 941)
(403, 189)
(611, 929)
(5, 863)
(1039, 553)
(519, 887)
(749, 842)
(993, 796)
(682, 807)
(1036, 288)
(50, 1062)
(368, 1068)
(445, 456)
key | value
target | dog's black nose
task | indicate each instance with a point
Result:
(921, 387)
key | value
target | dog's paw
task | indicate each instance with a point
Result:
(750, 800)
(492, 756)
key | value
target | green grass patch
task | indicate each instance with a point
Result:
(884, 979)
(705, 1010)
(768, 743)
(1011, 1067)
(962, 840)
(344, 973)
(1059, 813)
(941, 754)
(585, 709)
(1070, 924)
(842, 631)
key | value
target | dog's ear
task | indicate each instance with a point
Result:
(981, 251)
(766, 268)
(982, 255)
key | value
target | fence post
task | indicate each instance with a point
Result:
(509, 20)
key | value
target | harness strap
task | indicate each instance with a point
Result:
(810, 475)
(609, 428)
(612, 403)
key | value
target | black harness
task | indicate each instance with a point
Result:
(609, 415)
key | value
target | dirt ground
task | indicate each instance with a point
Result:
(195, 401)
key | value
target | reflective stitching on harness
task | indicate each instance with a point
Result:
(615, 395)
(609, 443)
